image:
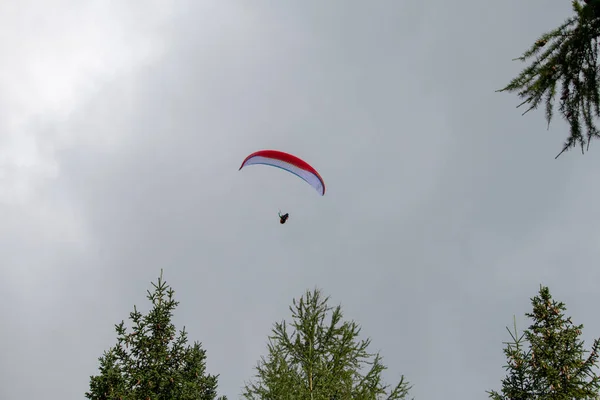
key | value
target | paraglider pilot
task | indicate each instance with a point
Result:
(283, 218)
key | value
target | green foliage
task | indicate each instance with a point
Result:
(321, 358)
(554, 365)
(153, 362)
(566, 59)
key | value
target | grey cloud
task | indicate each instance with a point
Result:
(445, 209)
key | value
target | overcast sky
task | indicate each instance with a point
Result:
(122, 128)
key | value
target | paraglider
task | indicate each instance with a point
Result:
(283, 218)
(289, 163)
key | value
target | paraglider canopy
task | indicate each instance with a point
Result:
(290, 163)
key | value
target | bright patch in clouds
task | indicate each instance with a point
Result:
(55, 54)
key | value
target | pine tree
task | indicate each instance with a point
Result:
(153, 362)
(320, 359)
(566, 60)
(548, 361)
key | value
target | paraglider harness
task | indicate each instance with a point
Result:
(283, 218)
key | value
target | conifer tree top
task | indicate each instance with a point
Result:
(548, 361)
(153, 361)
